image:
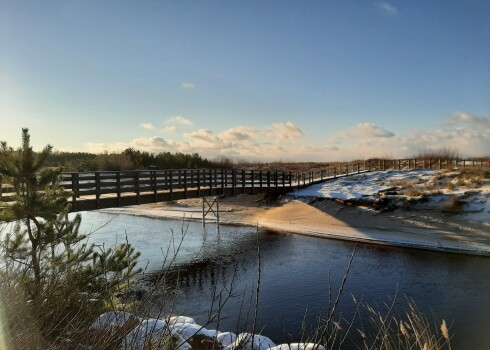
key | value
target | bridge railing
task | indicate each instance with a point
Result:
(148, 186)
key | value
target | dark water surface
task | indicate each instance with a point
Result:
(295, 277)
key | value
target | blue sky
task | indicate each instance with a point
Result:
(267, 80)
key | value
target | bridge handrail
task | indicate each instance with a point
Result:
(209, 180)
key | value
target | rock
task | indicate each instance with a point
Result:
(226, 338)
(244, 341)
(188, 330)
(298, 346)
(150, 333)
(180, 319)
(113, 319)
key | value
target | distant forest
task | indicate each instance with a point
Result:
(132, 159)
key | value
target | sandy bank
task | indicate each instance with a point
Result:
(328, 219)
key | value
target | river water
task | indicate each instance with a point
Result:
(296, 272)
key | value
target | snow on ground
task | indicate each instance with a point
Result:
(157, 332)
(362, 185)
(456, 192)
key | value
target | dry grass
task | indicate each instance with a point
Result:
(413, 191)
(455, 206)
(413, 331)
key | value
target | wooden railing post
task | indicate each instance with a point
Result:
(185, 184)
(155, 191)
(252, 175)
(216, 184)
(199, 182)
(170, 183)
(137, 186)
(223, 181)
(97, 189)
(118, 188)
(74, 189)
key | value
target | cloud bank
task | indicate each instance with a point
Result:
(468, 133)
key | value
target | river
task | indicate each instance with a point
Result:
(294, 283)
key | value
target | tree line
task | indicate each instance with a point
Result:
(131, 159)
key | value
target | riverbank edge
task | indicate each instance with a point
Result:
(284, 228)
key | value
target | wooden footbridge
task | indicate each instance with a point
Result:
(107, 189)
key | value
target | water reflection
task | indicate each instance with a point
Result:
(295, 272)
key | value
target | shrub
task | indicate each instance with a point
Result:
(66, 280)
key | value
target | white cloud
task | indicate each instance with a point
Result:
(464, 132)
(179, 120)
(284, 132)
(468, 119)
(188, 86)
(469, 134)
(360, 131)
(169, 129)
(149, 144)
(387, 8)
(203, 135)
(147, 126)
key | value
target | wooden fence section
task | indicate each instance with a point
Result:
(114, 189)
(106, 189)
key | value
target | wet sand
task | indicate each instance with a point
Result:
(326, 218)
